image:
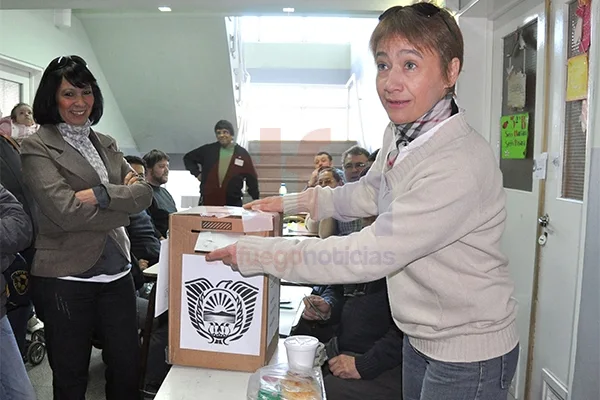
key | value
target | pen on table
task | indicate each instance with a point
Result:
(317, 311)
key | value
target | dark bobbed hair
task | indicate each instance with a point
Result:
(75, 71)
(153, 157)
(224, 124)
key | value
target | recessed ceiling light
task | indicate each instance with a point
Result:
(165, 9)
(289, 9)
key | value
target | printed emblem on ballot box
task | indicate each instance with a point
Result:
(223, 313)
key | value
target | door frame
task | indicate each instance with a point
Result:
(592, 124)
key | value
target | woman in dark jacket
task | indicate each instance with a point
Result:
(85, 191)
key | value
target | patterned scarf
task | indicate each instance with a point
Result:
(406, 133)
(79, 137)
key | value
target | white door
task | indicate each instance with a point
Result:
(551, 288)
(559, 258)
(519, 240)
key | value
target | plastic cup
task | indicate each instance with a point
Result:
(301, 351)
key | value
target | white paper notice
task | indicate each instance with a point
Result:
(221, 310)
(162, 281)
(209, 241)
(257, 221)
(540, 166)
(273, 308)
(516, 86)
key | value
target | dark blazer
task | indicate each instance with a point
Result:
(230, 193)
(71, 234)
(12, 179)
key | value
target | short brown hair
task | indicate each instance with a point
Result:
(426, 27)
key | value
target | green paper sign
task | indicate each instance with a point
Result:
(514, 131)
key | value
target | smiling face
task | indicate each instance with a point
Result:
(24, 115)
(410, 81)
(74, 104)
(224, 137)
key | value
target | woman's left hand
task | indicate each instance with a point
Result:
(344, 367)
(130, 178)
(226, 254)
(87, 196)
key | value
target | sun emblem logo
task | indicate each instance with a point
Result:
(222, 313)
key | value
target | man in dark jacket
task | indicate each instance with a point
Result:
(221, 167)
(15, 235)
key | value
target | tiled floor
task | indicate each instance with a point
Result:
(41, 378)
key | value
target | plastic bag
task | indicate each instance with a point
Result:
(277, 382)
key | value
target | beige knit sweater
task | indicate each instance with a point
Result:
(440, 216)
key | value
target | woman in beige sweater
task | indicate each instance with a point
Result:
(437, 192)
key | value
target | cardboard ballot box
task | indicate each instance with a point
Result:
(218, 318)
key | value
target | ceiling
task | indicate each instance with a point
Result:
(225, 7)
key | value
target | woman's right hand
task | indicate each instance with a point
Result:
(268, 204)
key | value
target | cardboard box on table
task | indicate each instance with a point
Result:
(218, 318)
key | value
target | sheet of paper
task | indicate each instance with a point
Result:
(540, 166)
(162, 280)
(209, 241)
(514, 131)
(516, 86)
(257, 221)
(221, 310)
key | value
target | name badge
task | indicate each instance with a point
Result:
(239, 162)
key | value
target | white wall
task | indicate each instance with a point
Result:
(297, 55)
(374, 117)
(32, 37)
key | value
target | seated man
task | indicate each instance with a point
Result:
(324, 298)
(145, 245)
(365, 356)
(322, 160)
(163, 205)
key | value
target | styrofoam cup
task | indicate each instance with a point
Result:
(301, 351)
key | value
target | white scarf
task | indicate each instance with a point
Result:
(78, 136)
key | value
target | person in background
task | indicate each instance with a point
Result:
(437, 192)
(373, 157)
(163, 205)
(354, 161)
(221, 167)
(322, 160)
(85, 192)
(20, 309)
(322, 323)
(145, 244)
(19, 124)
(16, 233)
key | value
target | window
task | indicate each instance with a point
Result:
(10, 95)
(575, 139)
(290, 29)
(311, 112)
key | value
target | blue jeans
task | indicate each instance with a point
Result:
(426, 379)
(14, 381)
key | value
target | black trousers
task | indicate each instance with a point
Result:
(71, 311)
(387, 386)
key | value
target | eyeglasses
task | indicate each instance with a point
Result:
(356, 165)
(62, 61)
(427, 10)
